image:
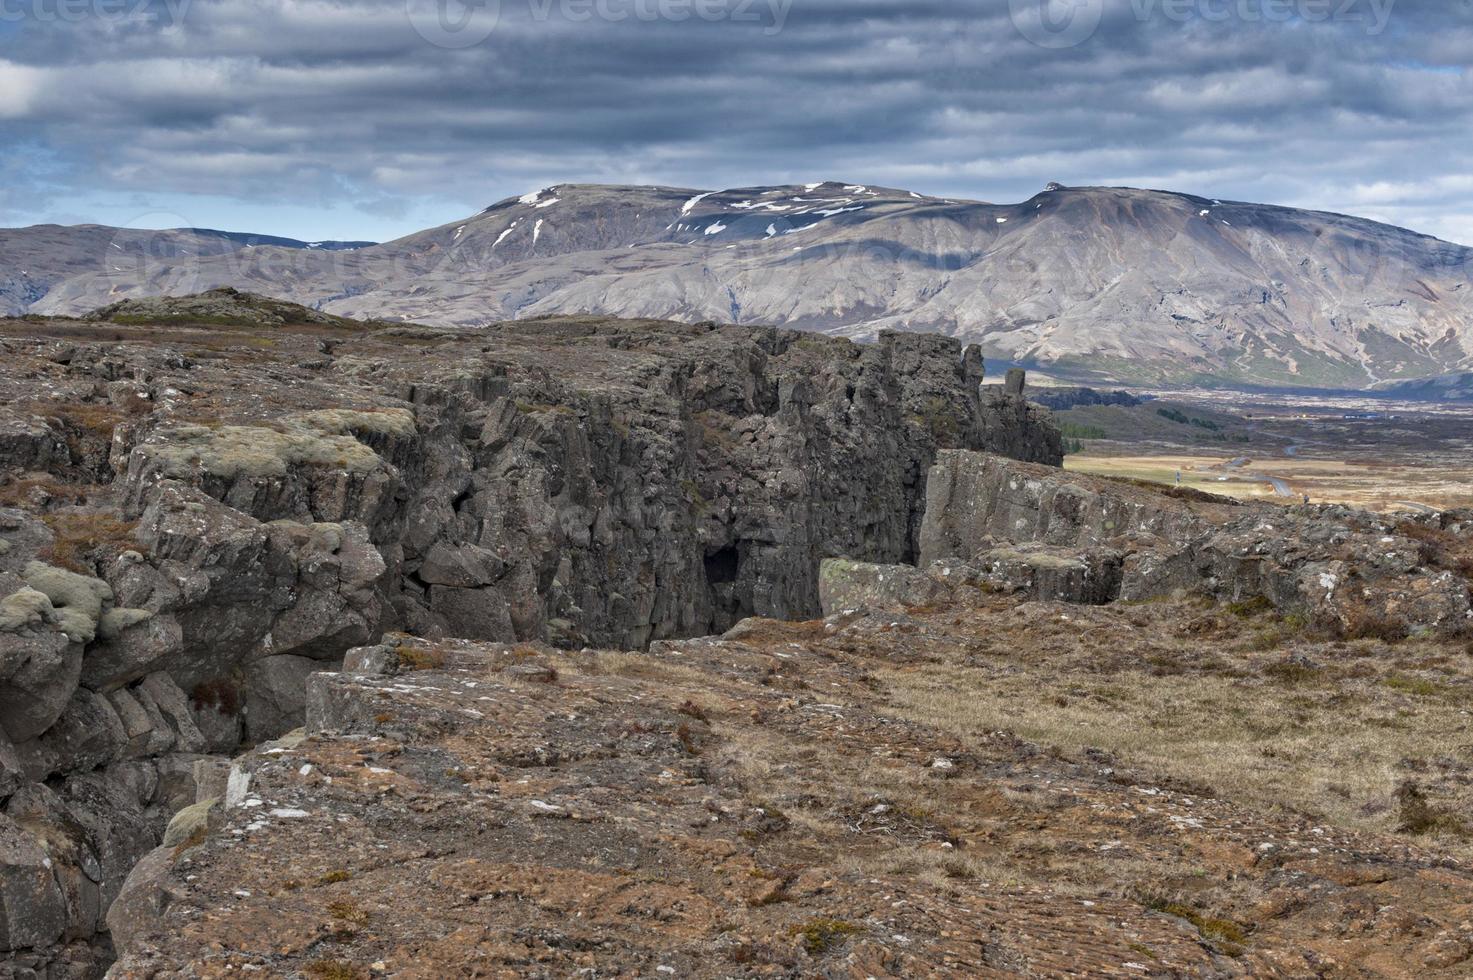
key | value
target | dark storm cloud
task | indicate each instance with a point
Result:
(1356, 105)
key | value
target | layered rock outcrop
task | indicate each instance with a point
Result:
(1353, 571)
(202, 520)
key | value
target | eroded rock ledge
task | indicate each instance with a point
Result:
(1001, 524)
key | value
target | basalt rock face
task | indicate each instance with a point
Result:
(1355, 572)
(685, 478)
(201, 518)
(113, 685)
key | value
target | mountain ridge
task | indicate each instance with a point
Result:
(1097, 284)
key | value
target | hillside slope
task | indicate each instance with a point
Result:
(1102, 284)
(36, 260)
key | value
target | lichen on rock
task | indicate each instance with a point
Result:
(77, 600)
(26, 608)
(232, 451)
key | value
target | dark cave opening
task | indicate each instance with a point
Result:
(722, 565)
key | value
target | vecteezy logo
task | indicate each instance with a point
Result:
(453, 23)
(1057, 23)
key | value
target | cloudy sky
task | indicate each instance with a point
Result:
(368, 119)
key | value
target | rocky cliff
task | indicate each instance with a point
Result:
(1088, 539)
(199, 516)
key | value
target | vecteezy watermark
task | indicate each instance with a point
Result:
(169, 12)
(453, 23)
(1057, 23)
(465, 23)
(1069, 23)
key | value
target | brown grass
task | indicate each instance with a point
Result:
(25, 491)
(87, 538)
(1330, 735)
(420, 658)
(334, 970)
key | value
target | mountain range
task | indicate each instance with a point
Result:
(1099, 284)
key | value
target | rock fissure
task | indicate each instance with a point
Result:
(578, 481)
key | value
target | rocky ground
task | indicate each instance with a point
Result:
(844, 797)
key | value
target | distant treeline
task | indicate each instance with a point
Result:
(1074, 430)
(1063, 399)
(1182, 418)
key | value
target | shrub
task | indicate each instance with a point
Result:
(940, 418)
(1244, 608)
(84, 537)
(693, 710)
(421, 658)
(687, 739)
(222, 694)
(821, 935)
(1418, 816)
(1363, 623)
(348, 911)
(1291, 671)
(1227, 935)
(1413, 685)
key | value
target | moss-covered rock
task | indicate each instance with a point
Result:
(851, 585)
(190, 823)
(26, 608)
(77, 600)
(252, 451)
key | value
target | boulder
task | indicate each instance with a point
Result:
(1352, 571)
(128, 652)
(376, 660)
(211, 776)
(33, 911)
(77, 601)
(39, 671)
(335, 604)
(192, 821)
(845, 585)
(1089, 577)
(174, 708)
(140, 905)
(276, 695)
(12, 773)
(973, 499)
(88, 734)
(107, 816)
(473, 614)
(144, 728)
(463, 566)
(178, 784)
